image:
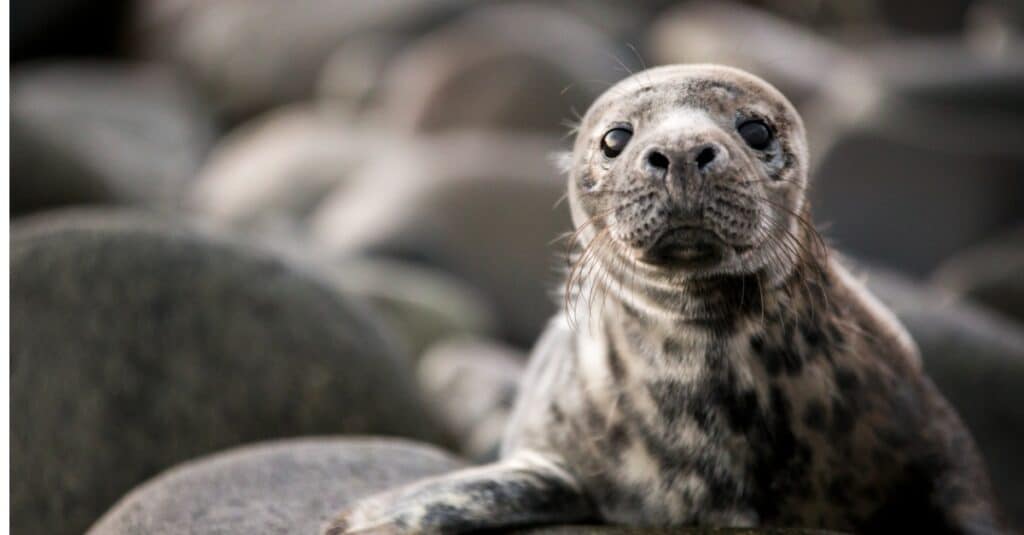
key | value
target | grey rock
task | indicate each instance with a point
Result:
(479, 205)
(991, 274)
(471, 384)
(269, 175)
(956, 199)
(138, 343)
(290, 486)
(351, 78)
(420, 304)
(897, 150)
(251, 55)
(976, 358)
(103, 132)
(792, 57)
(495, 68)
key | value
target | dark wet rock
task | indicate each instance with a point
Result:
(976, 358)
(479, 205)
(991, 274)
(252, 55)
(421, 305)
(471, 384)
(290, 486)
(269, 175)
(103, 133)
(495, 68)
(137, 344)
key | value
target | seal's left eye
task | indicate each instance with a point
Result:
(615, 141)
(756, 134)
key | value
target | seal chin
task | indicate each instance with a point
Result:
(686, 248)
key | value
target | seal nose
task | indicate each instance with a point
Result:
(703, 158)
(657, 160)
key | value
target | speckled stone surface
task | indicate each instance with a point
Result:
(283, 487)
(137, 344)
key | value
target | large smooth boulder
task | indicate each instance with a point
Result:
(479, 205)
(976, 358)
(495, 68)
(251, 55)
(267, 176)
(290, 486)
(991, 274)
(137, 344)
(91, 132)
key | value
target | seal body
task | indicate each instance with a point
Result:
(716, 364)
(806, 408)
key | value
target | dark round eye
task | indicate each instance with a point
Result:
(756, 134)
(615, 141)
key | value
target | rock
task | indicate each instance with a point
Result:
(792, 57)
(961, 182)
(991, 274)
(103, 132)
(421, 304)
(138, 343)
(976, 358)
(925, 17)
(494, 68)
(471, 384)
(267, 176)
(479, 205)
(351, 77)
(288, 486)
(253, 55)
(957, 199)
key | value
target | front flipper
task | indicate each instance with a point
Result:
(527, 488)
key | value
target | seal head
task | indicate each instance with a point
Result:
(691, 170)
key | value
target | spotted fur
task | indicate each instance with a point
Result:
(762, 387)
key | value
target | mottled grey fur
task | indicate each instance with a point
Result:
(715, 365)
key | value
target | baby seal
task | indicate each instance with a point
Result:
(715, 365)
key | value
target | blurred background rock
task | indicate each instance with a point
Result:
(371, 178)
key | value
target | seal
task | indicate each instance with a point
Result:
(716, 364)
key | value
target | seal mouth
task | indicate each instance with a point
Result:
(686, 246)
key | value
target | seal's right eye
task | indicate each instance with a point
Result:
(615, 141)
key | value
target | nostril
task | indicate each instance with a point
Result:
(705, 156)
(657, 160)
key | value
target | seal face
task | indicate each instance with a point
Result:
(691, 170)
(715, 364)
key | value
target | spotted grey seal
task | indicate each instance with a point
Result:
(715, 365)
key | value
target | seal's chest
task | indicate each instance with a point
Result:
(688, 430)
